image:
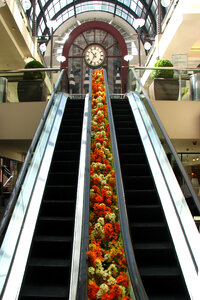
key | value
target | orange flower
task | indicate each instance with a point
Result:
(115, 291)
(96, 180)
(92, 290)
(122, 279)
(108, 230)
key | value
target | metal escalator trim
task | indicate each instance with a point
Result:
(187, 260)
(79, 217)
(81, 293)
(23, 242)
(134, 274)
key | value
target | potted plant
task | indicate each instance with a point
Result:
(32, 87)
(164, 85)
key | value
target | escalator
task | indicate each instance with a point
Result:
(47, 274)
(151, 240)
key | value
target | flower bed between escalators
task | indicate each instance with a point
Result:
(107, 268)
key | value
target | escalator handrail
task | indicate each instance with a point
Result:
(170, 145)
(134, 274)
(16, 190)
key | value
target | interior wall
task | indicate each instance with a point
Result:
(180, 119)
(19, 121)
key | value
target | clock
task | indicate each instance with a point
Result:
(94, 55)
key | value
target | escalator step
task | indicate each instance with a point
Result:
(145, 213)
(65, 166)
(66, 155)
(141, 197)
(58, 208)
(62, 193)
(135, 169)
(139, 182)
(135, 158)
(130, 148)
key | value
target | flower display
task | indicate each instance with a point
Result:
(107, 268)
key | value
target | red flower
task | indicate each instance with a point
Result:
(92, 290)
(122, 279)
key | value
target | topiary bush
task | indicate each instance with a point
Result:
(34, 75)
(162, 73)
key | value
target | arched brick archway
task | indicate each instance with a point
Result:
(99, 26)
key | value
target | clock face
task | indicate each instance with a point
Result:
(94, 55)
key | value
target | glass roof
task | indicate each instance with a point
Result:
(63, 10)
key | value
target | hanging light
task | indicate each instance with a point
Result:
(26, 4)
(165, 3)
(147, 45)
(51, 23)
(138, 22)
(43, 47)
(128, 57)
(61, 58)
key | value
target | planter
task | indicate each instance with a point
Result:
(195, 86)
(32, 90)
(164, 89)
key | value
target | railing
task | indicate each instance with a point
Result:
(11, 79)
(183, 75)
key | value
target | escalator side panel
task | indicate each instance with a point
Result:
(47, 274)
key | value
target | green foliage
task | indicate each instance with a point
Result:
(162, 73)
(34, 74)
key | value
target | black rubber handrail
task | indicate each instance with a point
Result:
(134, 274)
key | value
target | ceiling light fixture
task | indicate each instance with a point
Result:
(147, 46)
(43, 47)
(128, 57)
(165, 3)
(138, 23)
(26, 4)
(61, 58)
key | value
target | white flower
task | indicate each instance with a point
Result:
(111, 281)
(91, 270)
(107, 257)
(99, 104)
(103, 182)
(98, 262)
(98, 145)
(103, 289)
(112, 269)
(99, 271)
(111, 217)
(100, 112)
(101, 221)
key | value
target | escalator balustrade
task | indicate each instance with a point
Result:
(47, 274)
(153, 247)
